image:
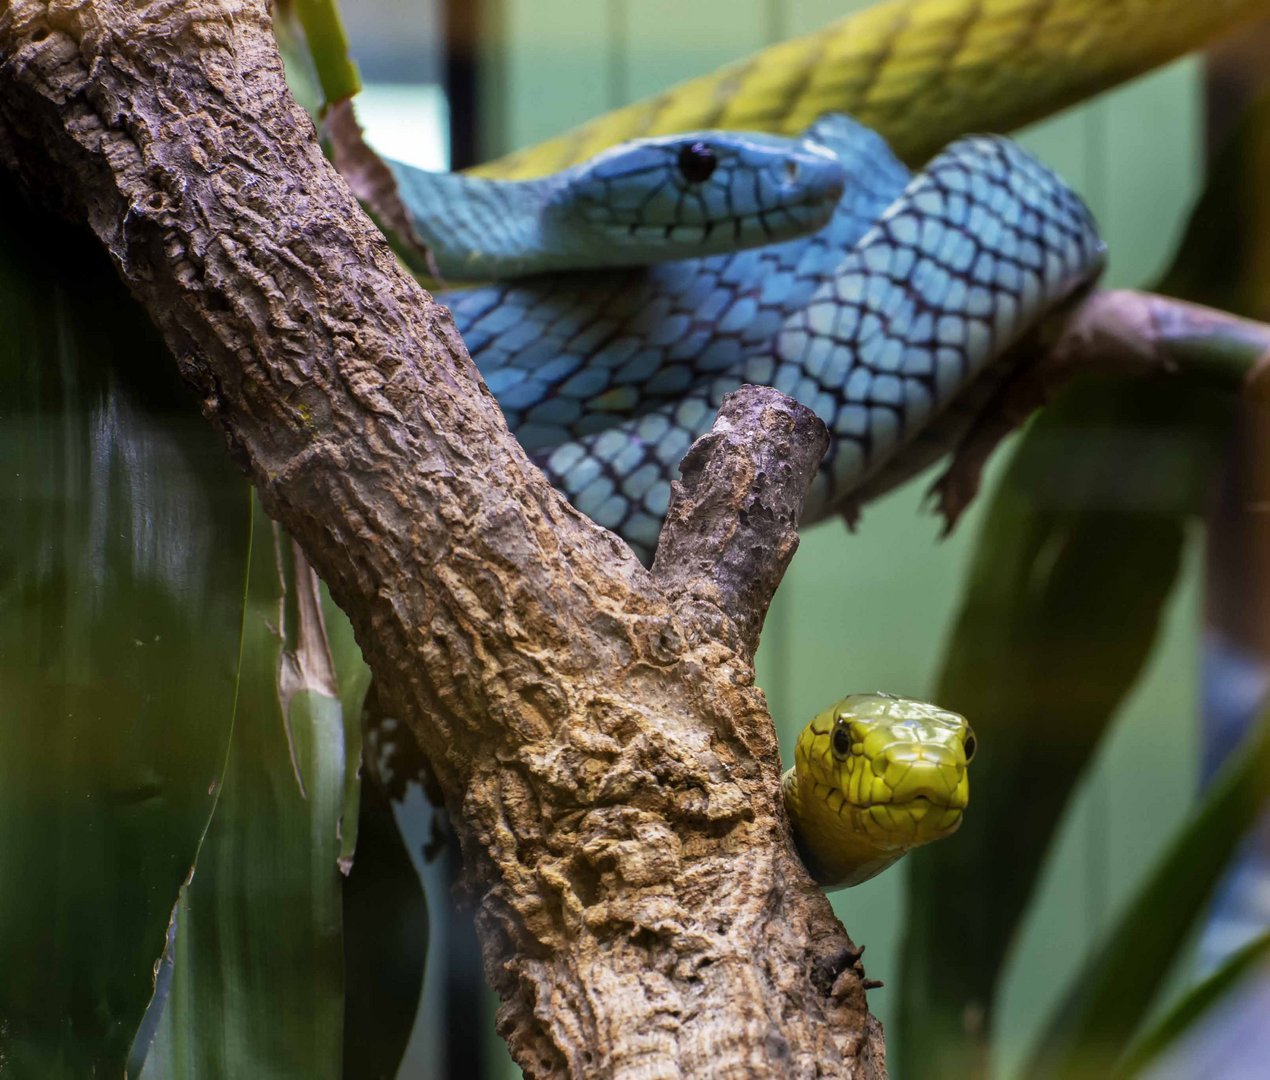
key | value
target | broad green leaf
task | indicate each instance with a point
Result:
(122, 561)
(1072, 570)
(385, 944)
(1106, 1004)
(257, 980)
(1194, 1008)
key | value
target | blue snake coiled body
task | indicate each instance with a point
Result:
(894, 322)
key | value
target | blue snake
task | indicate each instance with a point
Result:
(647, 200)
(896, 322)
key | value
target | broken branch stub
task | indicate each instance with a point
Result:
(732, 524)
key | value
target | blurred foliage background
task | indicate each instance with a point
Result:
(180, 705)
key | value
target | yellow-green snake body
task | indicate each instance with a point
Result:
(919, 72)
(874, 777)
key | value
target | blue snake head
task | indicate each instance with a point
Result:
(701, 193)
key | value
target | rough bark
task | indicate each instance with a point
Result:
(611, 766)
(732, 524)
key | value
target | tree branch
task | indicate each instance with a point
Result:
(732, 524)
(611, 768)
(1123, 332)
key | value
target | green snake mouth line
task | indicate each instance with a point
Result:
(906, 802)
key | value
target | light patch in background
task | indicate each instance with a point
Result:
(408, 122)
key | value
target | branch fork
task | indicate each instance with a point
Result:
(611, 767)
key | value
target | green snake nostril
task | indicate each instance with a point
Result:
(922, 779)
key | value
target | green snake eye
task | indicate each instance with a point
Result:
(841, 741)
(970, 746)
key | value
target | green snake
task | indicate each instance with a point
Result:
(874, 777)
(919, 72)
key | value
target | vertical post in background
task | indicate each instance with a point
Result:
(463, 34)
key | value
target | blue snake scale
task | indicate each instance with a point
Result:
(894, 322)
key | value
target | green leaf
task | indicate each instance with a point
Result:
(352, 676)
(257, 981)
(302, 75)
(1052, 634)
(385, 944)
(1110, 998)
(1189, 1013)
(122, 561)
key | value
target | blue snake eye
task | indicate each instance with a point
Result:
(841, 741)
(697, 162)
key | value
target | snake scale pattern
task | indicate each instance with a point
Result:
(919, 72)
(891, 322)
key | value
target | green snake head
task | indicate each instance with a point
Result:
(874, 777)
(696, 194)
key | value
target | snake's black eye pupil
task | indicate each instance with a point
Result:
(970, 746)
(841, 742)
(697, 162)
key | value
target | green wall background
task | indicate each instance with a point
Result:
(872, 610)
